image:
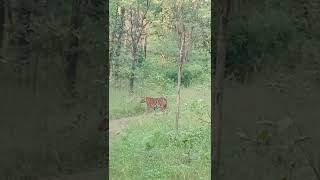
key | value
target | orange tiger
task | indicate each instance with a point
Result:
(155, 103)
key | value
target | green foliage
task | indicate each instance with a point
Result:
(158, 69)
(268, 36)
(192, 74)
(55, 140)
(201, 110)
(282, 144)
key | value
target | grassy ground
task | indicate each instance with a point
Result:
(121, 104)
(152, 149)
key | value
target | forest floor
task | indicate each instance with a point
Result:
(116, 126)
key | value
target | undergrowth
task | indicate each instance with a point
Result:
(152, 148)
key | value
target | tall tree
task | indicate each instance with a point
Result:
(222, 10)
(73, 52)
(7, 26)
(137, 18)
(184, 32)
(2, 21)
(117, 41)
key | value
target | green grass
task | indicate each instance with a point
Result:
(153, 149)
(121, 104)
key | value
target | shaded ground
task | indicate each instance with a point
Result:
(115, 128)
(118, 125)
(98, 174)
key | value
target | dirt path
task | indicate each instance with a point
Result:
(115, 128)
(118, 125)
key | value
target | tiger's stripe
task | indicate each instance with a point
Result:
(155, 103)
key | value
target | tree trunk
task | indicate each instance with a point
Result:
(8, 26)
(222, 15)
(35, 75)
(133, 68)
(145, 47)
(178, 95)
(2, 23)
(185, 39)
(118, 36)
(73, 53)
(110, 55)
(137, 22)
(181, 60)
(103, 126)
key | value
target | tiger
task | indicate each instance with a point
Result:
(155, 103)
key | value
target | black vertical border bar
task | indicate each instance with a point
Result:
(107, 86)
(212, 56)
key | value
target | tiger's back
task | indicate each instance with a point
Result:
(155, 103)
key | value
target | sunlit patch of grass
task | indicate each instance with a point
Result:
(151, 148)
(122, 104)
(154, 149)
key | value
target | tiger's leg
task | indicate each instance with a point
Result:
(155, 107)
(162, 109)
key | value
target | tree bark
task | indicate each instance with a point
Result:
(184, 43)
(145, 47)
(73, 53)
(7, 26)
(35, 75)
(178, 96)
(222, 15)
(181, 61)
(137, 25)
(119, 37)
(133, 68)
(2, 23)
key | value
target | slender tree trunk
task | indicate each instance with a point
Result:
(110, 69)
(145, 47)
(222, 13)
(178, 95)
(8, 25)
(110, 55)
(120, 32)
(103, 126)
(73, 53)
(137, 22)
(35, 75)
(19, 42)
(181, 60)
(185, 45)
(2, 23)
(133, 69)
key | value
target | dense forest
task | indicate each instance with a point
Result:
(53, 86)
(160, 49)
(271, 91)
(57, 58)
